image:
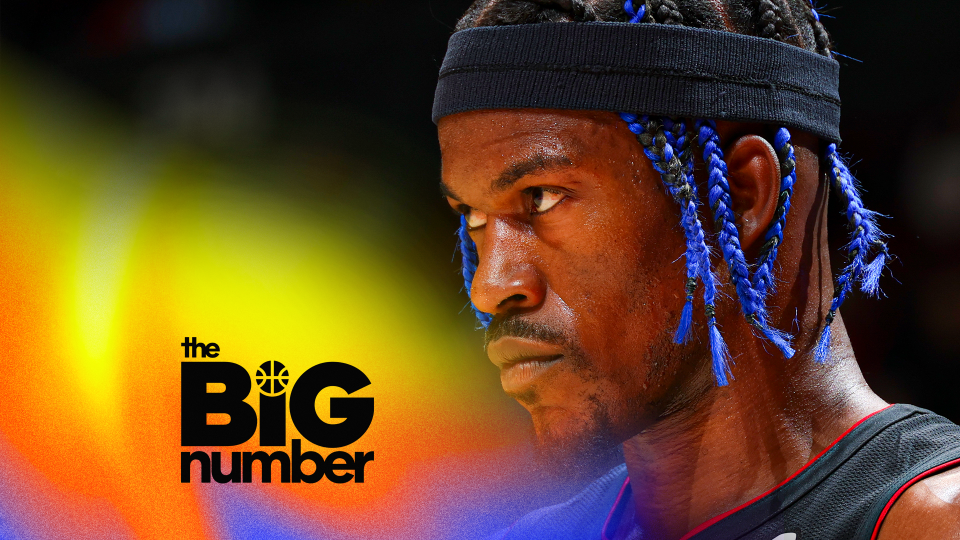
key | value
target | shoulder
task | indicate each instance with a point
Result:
(929, 509)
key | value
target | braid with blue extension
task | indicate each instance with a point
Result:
(678, 136)
(661, 146)
(820, 35)
(470, 261)
(720, 201)
(635, 15)
(661, 151)
(763, 277)
(865, 238)
(682, 186)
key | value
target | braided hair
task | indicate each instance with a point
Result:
(667, 142)
(770, 21)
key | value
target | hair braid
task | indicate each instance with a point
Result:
(468, 250)
(721, 203)
(667, 144)
(665, 12)
(865, 238)
(820, 35)
(636, 14)
(793, 17)
(770, 20)
(763, 277)
(676, 134)
(505, 12)
(691, 221)
(581, 10)
(659, 145)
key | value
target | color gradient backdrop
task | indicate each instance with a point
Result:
(263, 175)
(115, 245)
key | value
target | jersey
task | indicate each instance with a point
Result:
(842, 494)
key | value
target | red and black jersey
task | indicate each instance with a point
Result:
(842, 494)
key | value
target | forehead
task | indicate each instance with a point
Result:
(476, 141)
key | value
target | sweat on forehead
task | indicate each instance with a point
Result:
(541, 127)
(505, 146)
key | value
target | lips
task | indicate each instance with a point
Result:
(522, 361)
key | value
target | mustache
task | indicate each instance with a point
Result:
(515, 326)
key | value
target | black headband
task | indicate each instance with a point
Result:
(644, 68)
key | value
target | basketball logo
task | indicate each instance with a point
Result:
(272, 378)
(270, 418)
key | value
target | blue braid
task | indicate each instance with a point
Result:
(678, 136)
(763, 278)
(470, 261)
(721, 202)
(661, 146)
(815, 11)
(865, 239)
(635, 16)
(682, 186)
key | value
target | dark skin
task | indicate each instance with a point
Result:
(577, 238)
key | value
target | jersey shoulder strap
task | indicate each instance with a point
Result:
(844, 490)
(935, 447)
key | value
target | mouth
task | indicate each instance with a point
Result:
(522, 361)
(523, 372)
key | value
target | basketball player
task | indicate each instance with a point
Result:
(643, 194)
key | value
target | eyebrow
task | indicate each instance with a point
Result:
(447, 192)
(535, 163)
(517, 170)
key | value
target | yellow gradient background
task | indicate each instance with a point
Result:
(114, 246)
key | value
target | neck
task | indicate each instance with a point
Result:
(709, 454)
(740, 441)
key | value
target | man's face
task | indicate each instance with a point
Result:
(580, 264)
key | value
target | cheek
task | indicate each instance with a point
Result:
(625, 288)
(626, 282)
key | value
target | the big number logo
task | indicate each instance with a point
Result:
(272, 379)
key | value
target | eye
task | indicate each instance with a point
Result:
(544, 199)
(475, 218)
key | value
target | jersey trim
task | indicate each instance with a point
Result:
(613, 509)
(703, 526)
(906, 486)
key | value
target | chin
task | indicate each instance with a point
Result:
(574, 444)
(560, 425)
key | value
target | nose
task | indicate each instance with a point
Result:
(507, 277)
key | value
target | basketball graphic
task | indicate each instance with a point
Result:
(272, 378)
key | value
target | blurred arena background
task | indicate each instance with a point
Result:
(264, 175)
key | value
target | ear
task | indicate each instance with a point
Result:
(753, 170)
